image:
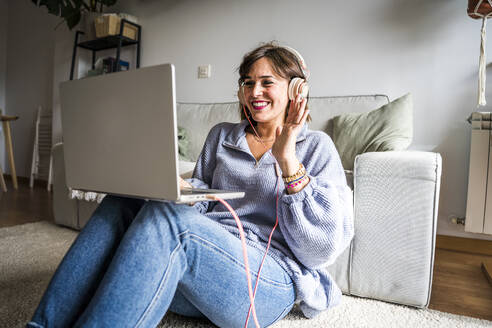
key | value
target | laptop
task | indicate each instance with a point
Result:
(120, 136)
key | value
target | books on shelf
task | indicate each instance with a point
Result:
(109, 65)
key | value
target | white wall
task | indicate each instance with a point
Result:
(3, 70)
(428, 48)
(30, 40)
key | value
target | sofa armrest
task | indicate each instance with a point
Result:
(65, 210)
(395, 212)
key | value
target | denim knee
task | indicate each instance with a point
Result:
(175, 213)
(116, 209)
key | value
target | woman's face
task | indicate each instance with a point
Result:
(265, 93)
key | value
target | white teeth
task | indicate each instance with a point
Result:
(259, 103)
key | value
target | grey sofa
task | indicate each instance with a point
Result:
(395, 203)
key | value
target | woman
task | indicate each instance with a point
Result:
(134, 260)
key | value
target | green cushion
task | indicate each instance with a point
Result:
(389, 127)
(183, 144)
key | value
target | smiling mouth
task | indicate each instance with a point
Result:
(259, 105)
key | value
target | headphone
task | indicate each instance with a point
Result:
(297, 85)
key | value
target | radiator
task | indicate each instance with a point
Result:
(479, 198)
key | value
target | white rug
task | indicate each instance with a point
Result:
(29, 255)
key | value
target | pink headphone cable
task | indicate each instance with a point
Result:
(245, 256)
(241, 233)
(263, 260)
(251, 292)
(252, 305)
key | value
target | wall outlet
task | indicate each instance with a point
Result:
(456, 219)
(204, 71)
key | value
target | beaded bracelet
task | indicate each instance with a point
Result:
(299, 173)
(296, 182)
(291, 182)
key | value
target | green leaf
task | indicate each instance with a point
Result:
(73, 20)
(71, 14)
(54, 6)
(70, 10)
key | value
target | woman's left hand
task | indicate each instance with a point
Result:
(284, 148)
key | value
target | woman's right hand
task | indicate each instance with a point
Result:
(183, 184)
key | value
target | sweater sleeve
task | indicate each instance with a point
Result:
(317, 222)
(205, 165)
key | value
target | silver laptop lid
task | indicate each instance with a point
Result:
(119, 132)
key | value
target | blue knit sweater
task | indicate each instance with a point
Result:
(315, 224)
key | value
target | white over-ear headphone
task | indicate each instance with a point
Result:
(296, 86)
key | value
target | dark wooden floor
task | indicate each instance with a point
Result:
(459, 285)
(25, 205)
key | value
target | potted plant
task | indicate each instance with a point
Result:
(72, 10)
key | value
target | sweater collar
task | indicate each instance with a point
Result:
(237, 136)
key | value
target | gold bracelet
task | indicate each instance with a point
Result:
(297, 175)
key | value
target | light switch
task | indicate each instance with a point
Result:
(204, 71)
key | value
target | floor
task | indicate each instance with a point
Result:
(459, 285)
(25, 205)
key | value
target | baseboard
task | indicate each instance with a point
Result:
(468, 245)
(446, 228)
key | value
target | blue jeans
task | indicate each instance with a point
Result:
(134, 260)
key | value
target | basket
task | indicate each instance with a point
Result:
(109, 24)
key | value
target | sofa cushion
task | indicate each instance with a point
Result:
(322, 109)
(186, 169)
(198, 118)
(183, 144)
(387, 128)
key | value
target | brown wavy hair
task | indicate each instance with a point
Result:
(283, 61)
